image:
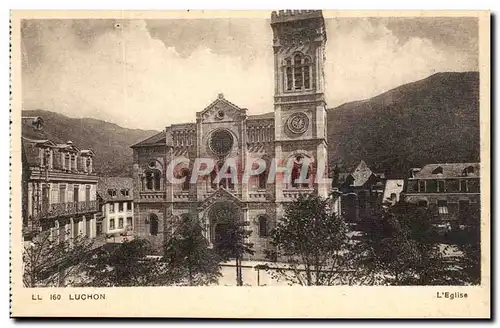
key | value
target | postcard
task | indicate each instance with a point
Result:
(250, 164)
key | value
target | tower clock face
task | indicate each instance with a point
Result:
(298, 123)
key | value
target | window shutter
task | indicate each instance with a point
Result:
(57, 160)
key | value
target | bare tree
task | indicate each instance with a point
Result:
(50, 262)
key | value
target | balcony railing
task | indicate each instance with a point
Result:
(61, 209)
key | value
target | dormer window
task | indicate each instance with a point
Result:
(125, 192)
(89, 164)
(438, 170)
(45, 157)
(112, 192)
(468, 170)
(298, 73)
(73, 162)
(67, 161)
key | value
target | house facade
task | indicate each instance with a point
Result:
(263, 155)
(116, 195)
(451, 189)
(59, 190)
(362, 192)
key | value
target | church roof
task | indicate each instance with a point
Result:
(156, 140)
(220, 100)
(264, 116)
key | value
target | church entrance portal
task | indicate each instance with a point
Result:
(222, 216)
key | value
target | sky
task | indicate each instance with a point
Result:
(152, 73)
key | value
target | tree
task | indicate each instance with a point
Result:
(125, 265)
(51, 262)
(467, 237)
(231, 242)
(403, 246)
(312, 245)
(188, 257)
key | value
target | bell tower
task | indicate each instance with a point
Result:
(299, 40)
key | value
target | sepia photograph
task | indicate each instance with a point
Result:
(269, 150)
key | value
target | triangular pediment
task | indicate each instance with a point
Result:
(221, 110)
(87, 152)
(220, 194)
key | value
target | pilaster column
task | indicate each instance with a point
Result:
(84, 225)
(278, 184)
(69, 231)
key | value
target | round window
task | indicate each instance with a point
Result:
(221, 142)
(220, 114)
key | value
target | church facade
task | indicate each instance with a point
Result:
(230, 161)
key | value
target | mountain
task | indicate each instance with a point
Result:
(110, 142)
(434, 120)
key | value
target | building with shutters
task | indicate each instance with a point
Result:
(293, 135)
(115, 196)
(452, 190)
(59, 189)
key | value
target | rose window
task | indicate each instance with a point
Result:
(221, 142)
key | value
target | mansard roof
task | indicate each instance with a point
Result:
(118, 184)
(448, 170)
(158, 139)
(31, 149)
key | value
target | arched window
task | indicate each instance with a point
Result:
(213, 176)
(298, 73)
(289, 74)
(298, 164)
(153, 224)
(295, 175)
(187, 175)
(224, 182)
(153, 179)
(263, 231)
(263, 180)
(306, 71)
